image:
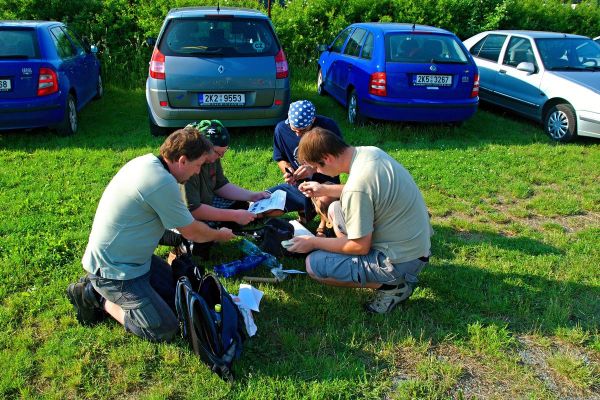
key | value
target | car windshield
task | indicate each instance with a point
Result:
(229, 37)
(423, 48)
(569, 54)
(18, 43)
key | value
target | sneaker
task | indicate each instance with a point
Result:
(386, 300)
(88, 309)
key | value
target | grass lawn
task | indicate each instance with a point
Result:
(508, 308)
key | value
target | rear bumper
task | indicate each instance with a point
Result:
(169, 117)
(419, 110)
(31, 112)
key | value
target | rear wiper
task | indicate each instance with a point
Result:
(205, 53)
(593, 68)
(17, 56)
(438, 61)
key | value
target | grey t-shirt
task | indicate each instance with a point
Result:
(140, 202)
(381, 197)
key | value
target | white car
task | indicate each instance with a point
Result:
(551, 77)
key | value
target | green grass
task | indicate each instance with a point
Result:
(515, 269)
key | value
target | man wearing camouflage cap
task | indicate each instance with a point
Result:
(210, 195)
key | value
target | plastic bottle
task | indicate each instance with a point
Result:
(234, 267)
(250, 248)
(217, 314)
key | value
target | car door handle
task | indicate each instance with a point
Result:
(502, 71)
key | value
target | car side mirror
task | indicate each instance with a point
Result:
(526, 67)
(323, 47)
(94, 49)
(151, 41)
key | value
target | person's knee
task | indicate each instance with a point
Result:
(309, 270)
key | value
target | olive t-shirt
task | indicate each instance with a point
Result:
(200, 188)
(380, 196)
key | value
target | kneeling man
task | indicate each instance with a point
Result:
(381, 222)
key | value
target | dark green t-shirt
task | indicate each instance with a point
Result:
(200, 189)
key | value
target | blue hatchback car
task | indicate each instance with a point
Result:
(47, 74)
(399, 72)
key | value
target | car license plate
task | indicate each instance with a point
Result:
(221, 99)
(432, 80)
(5, 85)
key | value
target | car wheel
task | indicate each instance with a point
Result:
(320, 89)
(156, 130)
(354, 116)
(99, 88)
(68, 126)
(560, 123)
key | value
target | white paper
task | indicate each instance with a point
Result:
(292, 271)
(300, 230)
(249, 297)
(248, 321)
(275, 202)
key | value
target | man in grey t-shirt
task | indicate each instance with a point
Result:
(381, 222)
(125, 280)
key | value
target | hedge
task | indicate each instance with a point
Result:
(119, 27)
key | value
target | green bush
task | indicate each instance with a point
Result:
(120, 27)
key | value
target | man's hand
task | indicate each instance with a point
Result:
(225, 234)
(301, 244)
(288, 176)
(243, 217)
(303, 171)
(259, 196)
(311, 189)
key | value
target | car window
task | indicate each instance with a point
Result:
(231, 37)
(63, 44)
(569, 53)
(419, 48)
(18, 43)
(489, 47)
(519, 50)
(338, 43)
(79, 47)
(367, 49)
(354, 43)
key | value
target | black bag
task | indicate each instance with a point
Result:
(217, 339)
(184, 265)
(274, 232)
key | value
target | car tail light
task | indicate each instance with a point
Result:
(281, 65)
(157, 65)
(47, 82)
(378, 84)
(163, 103)
(475, 90)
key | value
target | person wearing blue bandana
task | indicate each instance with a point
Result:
(302, 117)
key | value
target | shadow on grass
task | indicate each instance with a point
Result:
(312, 332)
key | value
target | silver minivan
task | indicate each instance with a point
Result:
(216, 63)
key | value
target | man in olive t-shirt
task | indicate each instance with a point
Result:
(381, 222)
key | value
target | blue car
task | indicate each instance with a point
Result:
(399, 72)
(47, 75)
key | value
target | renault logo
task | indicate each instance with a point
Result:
(221, 69)
(433, 68)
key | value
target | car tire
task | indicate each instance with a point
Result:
(99, 88)
(320, 89)
(354, 115)
(560, 123)
(156, 130)
(68, 126)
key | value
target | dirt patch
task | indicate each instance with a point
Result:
(536, 357)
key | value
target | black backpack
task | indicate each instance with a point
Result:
(218, 340)
(274, 232)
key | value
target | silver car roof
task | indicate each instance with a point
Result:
(539, 34)
(188, 12)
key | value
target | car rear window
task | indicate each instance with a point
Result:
(423, 48)
(210, 37)
(18, 43)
